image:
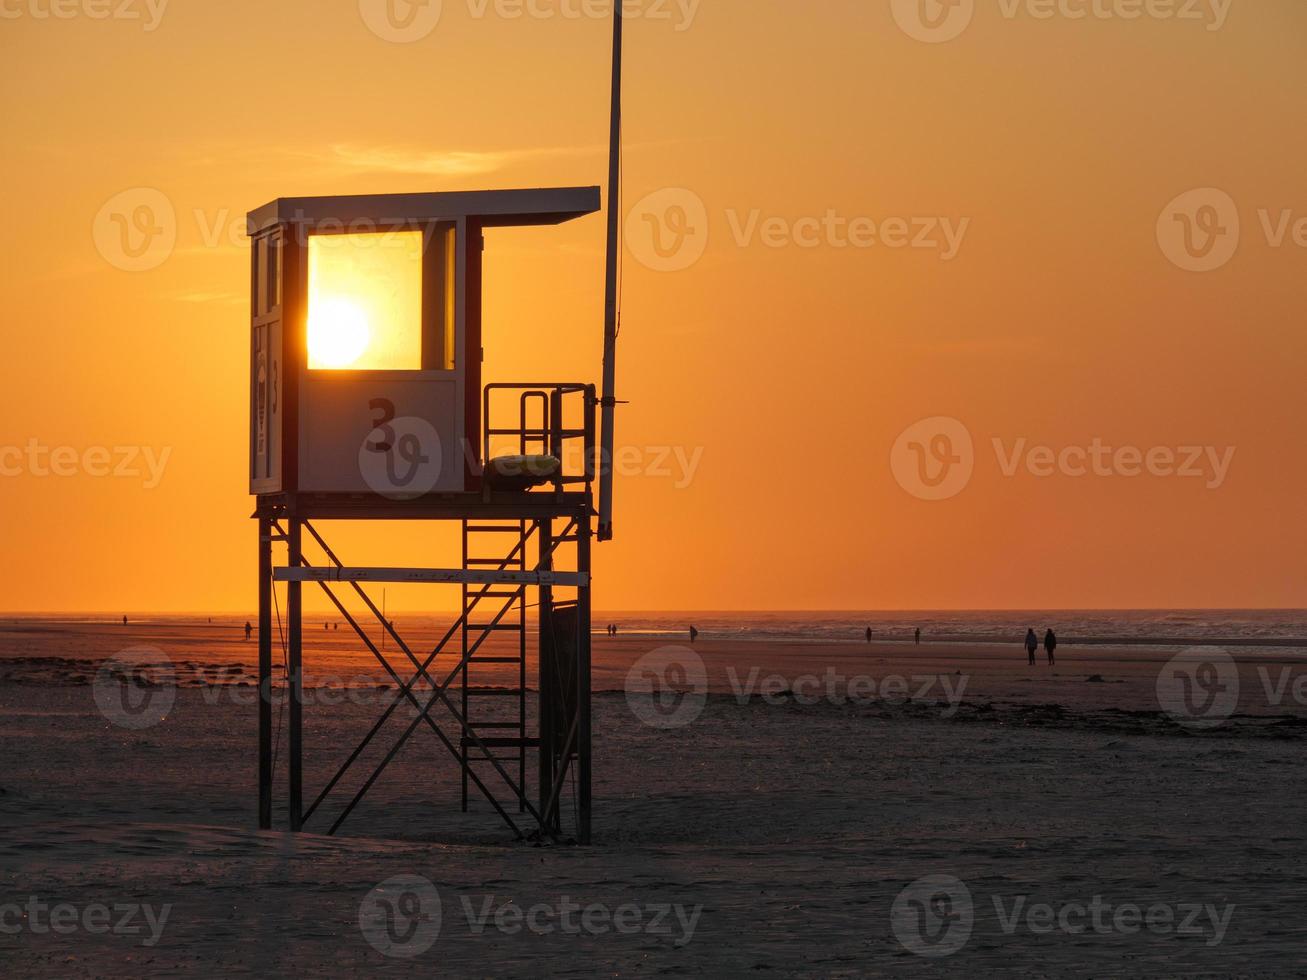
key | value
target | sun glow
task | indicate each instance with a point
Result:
(365, 302)
(338, 334)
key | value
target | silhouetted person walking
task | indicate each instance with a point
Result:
(917, 637)
(248, 630)
(124, 620)
(1032, 644)
(694, 634)
(868, 634)
(1050, 646)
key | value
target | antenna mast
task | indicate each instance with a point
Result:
(609, 400)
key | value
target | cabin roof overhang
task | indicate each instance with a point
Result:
(506, 208)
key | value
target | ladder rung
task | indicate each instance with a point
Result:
(502, 743)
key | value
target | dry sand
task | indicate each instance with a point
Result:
(790, 827)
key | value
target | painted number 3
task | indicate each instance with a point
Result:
(404, 456)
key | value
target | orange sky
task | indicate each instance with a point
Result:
(783, 370)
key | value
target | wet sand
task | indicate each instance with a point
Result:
(791, 822)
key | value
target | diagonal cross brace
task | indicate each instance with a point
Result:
(405, 691)
(399, 696)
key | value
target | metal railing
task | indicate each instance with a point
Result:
(541, 430)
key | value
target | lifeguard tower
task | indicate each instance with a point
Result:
(367, 404)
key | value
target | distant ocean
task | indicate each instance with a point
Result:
(1255, 627)
(1251, 627)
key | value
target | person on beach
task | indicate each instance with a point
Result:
(694, 634)
(248, 630)
(1032, 644)
(868, 634)
(1050, 646)
(917, 637)
(124, 620)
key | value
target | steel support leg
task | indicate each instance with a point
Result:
(583, 682)
(265, 674)
(295, 657)
(548, 662)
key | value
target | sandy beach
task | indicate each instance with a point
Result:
(770, 831)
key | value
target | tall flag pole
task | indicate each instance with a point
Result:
(609, 400)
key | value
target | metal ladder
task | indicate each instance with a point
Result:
(489, 710)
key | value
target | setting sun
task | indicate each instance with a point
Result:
(338, 334)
